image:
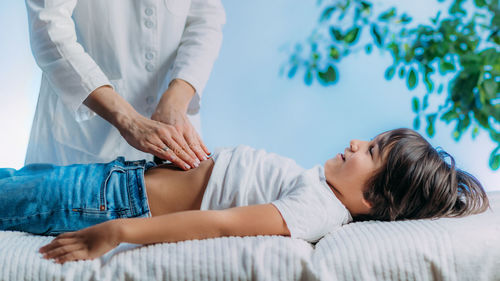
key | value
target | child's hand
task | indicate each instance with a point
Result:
(88, 243)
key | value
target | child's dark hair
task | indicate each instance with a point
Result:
(417, 182)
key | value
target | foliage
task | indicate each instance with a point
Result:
(463, 45)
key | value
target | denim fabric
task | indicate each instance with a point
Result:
(47, 199)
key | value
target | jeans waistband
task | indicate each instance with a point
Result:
(136, 164)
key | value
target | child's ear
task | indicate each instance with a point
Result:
(366, 203)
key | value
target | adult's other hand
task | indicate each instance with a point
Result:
(171, 110)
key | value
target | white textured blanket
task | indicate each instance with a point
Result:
(444, 249)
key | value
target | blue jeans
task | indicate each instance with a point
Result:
(48, 200)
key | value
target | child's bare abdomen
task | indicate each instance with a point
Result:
(170, 189)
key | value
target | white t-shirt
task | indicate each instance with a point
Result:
(245, 176)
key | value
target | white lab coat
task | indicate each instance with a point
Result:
(136, 46)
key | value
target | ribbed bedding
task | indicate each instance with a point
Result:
(445, 249)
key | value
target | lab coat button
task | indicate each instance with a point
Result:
(150, 67)
(149, 56)
(148, 11)
(150, 100)
(149, 24)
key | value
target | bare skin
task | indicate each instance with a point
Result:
(171, 190)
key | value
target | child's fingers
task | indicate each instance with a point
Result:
(57, 243)
(72, 256)
(63, 250)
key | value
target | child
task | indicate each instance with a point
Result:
(239, 192)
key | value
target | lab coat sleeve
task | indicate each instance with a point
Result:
(199, 46)
(72, 73)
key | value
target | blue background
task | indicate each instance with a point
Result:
(247, 101)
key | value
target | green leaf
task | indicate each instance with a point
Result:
(368, 48)
(436, 18)
(416, 123)
(494, 160)
(490, 87)
(495, 37)
(329, 76)
(389, 73)
(352, 35)
(475, 132)
(480, 3)
(415, 104)
(402, 72)
(394, 49)
(456, 8)
(462, 125)
(376, 35)
(308, 78)
(412, 79)
(334, 53)
(431, 118)
(409, 55)
(336, 34)
(445, 67)
(387, 15)
(495, 136)
(428, 84)
(449, 116)
(366, 4)
(327, 13)
(405, 19)
(292, 71)
(425, 102)
(482, 118)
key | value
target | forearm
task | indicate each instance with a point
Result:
(94, 241)
(172, 227)
(111, 106)
(177, 96)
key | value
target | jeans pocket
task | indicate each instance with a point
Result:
(115, 182)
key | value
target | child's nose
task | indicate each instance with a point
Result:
(354, 145)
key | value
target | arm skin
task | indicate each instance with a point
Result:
(96, 240)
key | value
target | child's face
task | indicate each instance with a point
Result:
(347, 173)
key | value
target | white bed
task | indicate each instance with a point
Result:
(444, 249)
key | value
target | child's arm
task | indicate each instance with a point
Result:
(94, 241)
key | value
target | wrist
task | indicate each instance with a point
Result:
(178, 95)
(111, 106)
(117, 230)
(125, 120)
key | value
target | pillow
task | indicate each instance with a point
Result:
(429, 249)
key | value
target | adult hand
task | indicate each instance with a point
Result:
(172, 109)
(144, 134)
(159, 139)
(88, 243)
